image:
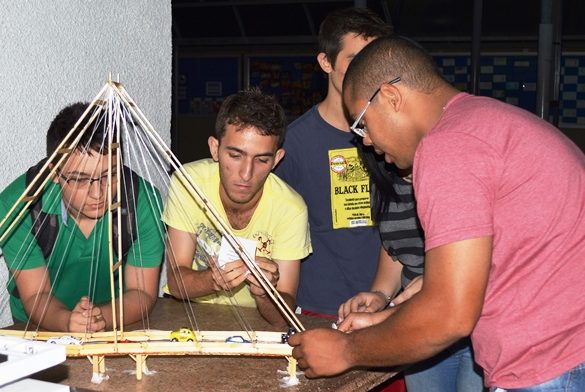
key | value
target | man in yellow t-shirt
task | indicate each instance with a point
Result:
(257, 205)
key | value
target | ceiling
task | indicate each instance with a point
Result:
(205, 24)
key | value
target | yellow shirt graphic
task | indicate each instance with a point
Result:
(350, 189)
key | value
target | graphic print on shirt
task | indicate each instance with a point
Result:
(264, 243)
(208, 244)
(350, 189)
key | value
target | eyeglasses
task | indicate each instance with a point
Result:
(361, 131)
(85, 182)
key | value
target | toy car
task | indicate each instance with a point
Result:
(182, 335)
(65, 339)
(237, 339)
(284, 337)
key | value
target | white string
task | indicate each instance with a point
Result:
(147, 155)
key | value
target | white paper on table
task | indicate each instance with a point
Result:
(227, 253)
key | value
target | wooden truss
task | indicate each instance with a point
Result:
(141, 344)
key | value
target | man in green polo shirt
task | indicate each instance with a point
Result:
(68, 289)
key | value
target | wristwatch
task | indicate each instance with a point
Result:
(387, 298)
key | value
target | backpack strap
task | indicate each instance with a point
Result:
(44, 226)
(129, 185)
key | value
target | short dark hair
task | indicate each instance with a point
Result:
(361, 21)
(387, 58)
(92, 139)
(251, 107)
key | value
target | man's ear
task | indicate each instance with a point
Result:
(392, 95)
(278, 156)
(323, 61)
(213, 147)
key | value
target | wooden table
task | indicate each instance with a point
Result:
(202, 373)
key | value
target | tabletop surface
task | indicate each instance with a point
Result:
(205, 373)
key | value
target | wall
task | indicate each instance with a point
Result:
(58, 52)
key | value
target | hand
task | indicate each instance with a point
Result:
(363, 302)
(86, 317)
(270, 270)
(355, 321)
(229, 276)
(409, 291)
(321, 352)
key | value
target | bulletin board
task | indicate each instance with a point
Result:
(297, 81)
(204, 82)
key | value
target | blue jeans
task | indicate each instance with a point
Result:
(571, 381)
(453, 370)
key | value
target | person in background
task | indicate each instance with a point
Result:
(259, 207)
(323, 165)
(500, 198)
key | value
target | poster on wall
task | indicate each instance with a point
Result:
(297, 81)
(204, 82)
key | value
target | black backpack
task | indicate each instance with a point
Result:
(45, 227)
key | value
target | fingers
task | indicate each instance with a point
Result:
(87, 320)
(230, 275)
(320, 352)
(269, 268)
(355, 321)
(346, 308)
(362, 302)
(295, 339)
(409, 291)
(83, 304)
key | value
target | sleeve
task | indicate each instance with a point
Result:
(147, 250)
(292, 236)
(181, 211)
(454, 178)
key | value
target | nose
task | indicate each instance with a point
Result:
(247, 169)
(367, 140)
(97, 187)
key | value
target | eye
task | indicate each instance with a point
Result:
(263, 160)
(81, 180)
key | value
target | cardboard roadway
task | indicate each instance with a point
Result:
(203, 373)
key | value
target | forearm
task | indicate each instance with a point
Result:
(413, 332)
(389, 289)
(137, 305)
(387, 279)
(47, 312)
(186, 283)
(270, 312)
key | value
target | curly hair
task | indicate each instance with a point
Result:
(253, 108)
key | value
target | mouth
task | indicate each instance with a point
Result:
(242, 190)
(97, 206)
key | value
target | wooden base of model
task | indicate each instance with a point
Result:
(139, 345)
